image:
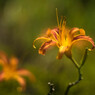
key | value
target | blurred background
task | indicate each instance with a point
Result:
(22, 21)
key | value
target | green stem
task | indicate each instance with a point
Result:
(79, 70)
(79, 77)
(84, 58)
(74, 83)
(75, 63)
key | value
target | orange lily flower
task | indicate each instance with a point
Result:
(63, 38)
(10, 70)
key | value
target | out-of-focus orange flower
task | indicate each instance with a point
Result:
(10, 70)
(63, 38)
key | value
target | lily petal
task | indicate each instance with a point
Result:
(13, 63)
(74, 30)
(40, 38)
(1, 76)
(3, 57)
(21, 82)
(2, 62)
(62, 50)
(86, 38)
(24, 72)
(45, 46)
(53, 32)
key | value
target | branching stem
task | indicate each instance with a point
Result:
(74, 83)
(79, 71)
(75, 63)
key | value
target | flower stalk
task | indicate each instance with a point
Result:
(75, 63)
(79, 71)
